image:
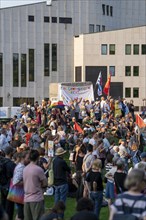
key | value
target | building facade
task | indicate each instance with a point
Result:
(121, 53)
(37, 41)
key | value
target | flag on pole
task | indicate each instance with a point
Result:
(99, 83)
(140, 121)
(107, 85)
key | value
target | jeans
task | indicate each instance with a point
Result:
(61, 193)
(97, 198)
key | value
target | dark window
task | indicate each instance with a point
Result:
(127, 70)
(78, 74)
(15, 69)
(65, 20)
(112, 70)
(135, 49)
(23, 70)
(31, 18)
(136, 71)
(54, 57)
(103, 9)
(103, 27)
(31, 64)
(112, 49)
(97, 28)
(111, 11)
(46, 59)
(104, 49)
(1, 101)
(107, 9)
(20, 101)
(91, 28)
(128, 49)
(127, 92)
(143, 49)
(1, 69)
(135, 92)
(46, 19)
(136, 108)
(54, 19)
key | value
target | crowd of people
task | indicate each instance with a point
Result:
(89, 150)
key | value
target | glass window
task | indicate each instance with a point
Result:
(1, 101)
(54, 19)
(31, 18)
(107, 9)
(97, 28)
(104, 49)
(46, 59)
(1, 69)
(111, 11)
(143, 49)
(112, 70)
(20, 101)
(65, 20)
(103, 9)
(91, 28)
(135, 49)
(136, 71)
(31, 64)
(15, 69)
(103, 27)
(23, 70)
(127, 92)
(46, 19)
(127, 70)
(128, 49)
(54, 57)
(112, 49)
(135, 92)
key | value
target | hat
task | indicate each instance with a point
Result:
(8, 150)
(23, 146)
(143, 155)
(60, 151)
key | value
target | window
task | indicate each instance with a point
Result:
(135, 92)
(78, 74)
(15, 69)
(135, 49)
(91, 28)
(23, 70)
(112, 49)
(46, 19)
(20, 101)
(112, 70)
(31, 18)
(97, 28)
(104, 49)
(128, 49)
(107, 9)
(46, 59)
(127, 70)
(143, 49)
(31, 64)
(54, 19)
(111, 11)
(103, 27)
(1, 69)
(1, 101)
(65, 20)
(103, 9)
(127, 92)
(136, 71)
(54, 57)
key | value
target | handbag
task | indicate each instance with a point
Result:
(16, 193)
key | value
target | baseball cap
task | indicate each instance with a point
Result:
(143, 155)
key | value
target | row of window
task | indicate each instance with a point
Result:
(107, 10)
(128, 92)
(22, 58)
(96, 28)
(128, 49)
(128, 70)
(47, 19)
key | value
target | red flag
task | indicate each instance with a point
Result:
(140, 122)
(107, 85)
(77, 128)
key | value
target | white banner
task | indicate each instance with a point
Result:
(71, 92)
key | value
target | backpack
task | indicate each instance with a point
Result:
(51, 174)
(3, 177)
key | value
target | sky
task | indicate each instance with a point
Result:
(10, 3)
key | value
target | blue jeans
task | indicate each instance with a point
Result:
(97, 198)
(61, 193)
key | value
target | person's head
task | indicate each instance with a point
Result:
(59, 207)
(24, 157)
(85, 204)
(3, 215)
(89, 147)
(142, 165)
(136, 180)
(9, 151)
(96, 165)
(120, 164)
(34, 155)
(143, 156)
(60, 152)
